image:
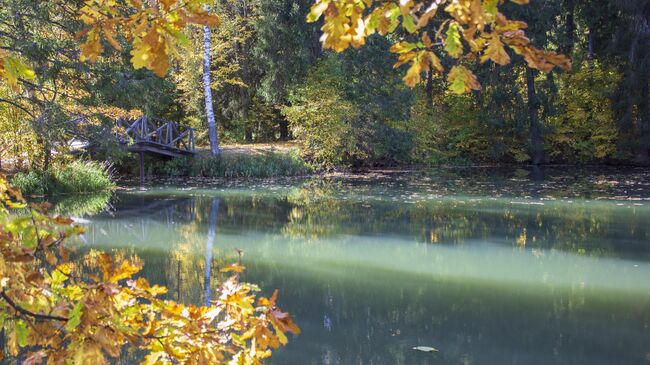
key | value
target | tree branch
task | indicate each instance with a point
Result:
(24, 311)
(17, 106)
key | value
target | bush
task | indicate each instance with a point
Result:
(321, 117)
(235, 165)
(586, 128)
(344, 116)
(75, 177)
(32, 182)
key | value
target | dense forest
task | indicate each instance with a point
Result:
(273, 81)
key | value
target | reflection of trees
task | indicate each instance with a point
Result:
(577, 226)
(196, 255)
(188, 257)
(82, 204)
(315, 212)
(416, 205)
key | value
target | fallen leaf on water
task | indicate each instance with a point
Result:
(425, 349)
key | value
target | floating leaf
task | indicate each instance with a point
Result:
(425, 349)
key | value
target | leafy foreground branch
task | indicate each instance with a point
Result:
(54, 310)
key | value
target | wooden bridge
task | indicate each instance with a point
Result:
(143, 135)
(155, 136)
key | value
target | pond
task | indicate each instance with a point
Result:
(489, 266)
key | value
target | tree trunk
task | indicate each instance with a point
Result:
(207, 89)
(284, 129)
(641, 156)
(570, 27)
(590, 49)
(535, 129)
(47, 156)
(430, 87)
(141, 165)
(637, 56)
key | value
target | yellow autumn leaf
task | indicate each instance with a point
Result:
(495, 51)
(412, 76)
(125, 270)
(317, 10)
(140, 55)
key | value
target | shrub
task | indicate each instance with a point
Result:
(321, 117)
(343, 116)
(75, 177)
(236, 165)
(586, 129)
(32, 182)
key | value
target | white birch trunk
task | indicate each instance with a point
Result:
(207, 90)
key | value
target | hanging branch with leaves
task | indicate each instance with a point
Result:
(463, 30)
(55, 309)
(154, 28)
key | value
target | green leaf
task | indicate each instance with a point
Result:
(393, 18)
(316, 11)
(58, 277)
(453, 44)
(490, 7)
(461, 80)
(408, 23)
(458, 85)
(74, 319)
(15, 69)
(21, 333)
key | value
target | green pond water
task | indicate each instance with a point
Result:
(489, 266)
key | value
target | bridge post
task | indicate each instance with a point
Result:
(141, 170)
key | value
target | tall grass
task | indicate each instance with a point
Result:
(236, 165)
(75, 177)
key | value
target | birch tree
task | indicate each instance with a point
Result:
(207, 90)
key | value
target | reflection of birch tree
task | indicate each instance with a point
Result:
(212, 232)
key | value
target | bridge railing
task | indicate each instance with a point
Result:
(158, 132)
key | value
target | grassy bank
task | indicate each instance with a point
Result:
(74, 177)
(235, 165)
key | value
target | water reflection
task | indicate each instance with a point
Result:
(489, 269)
(209, 248)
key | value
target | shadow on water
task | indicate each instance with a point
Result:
(490, 267)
